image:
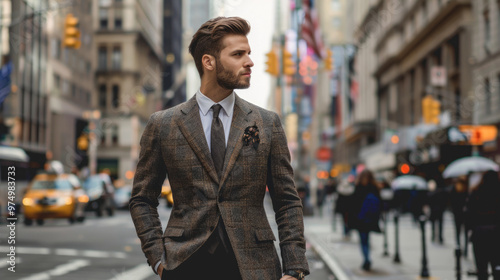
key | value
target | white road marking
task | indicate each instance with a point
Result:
(33, 250)
(139, 272)
(65, 252)
(95, 254)
(59, 270)
(6, 262)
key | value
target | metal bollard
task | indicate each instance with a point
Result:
(458, 267)
(424, 273)
(386, 251)
(397, 259)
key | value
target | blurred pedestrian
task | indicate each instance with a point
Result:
(483, 220)
(343, 204)
(220, 153)
(458, 198)
(437, 200)
(320, 198)
(364, 213)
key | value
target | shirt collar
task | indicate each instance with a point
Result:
(206, 103)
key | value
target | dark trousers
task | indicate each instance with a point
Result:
(364, 238)
(487, 251)
(204, 265)
(437, 221)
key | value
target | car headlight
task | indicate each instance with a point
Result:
(65, 200)
(28, 201)
(83, 199)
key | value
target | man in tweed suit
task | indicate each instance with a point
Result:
(220, 152)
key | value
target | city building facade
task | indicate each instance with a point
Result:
(129, 65)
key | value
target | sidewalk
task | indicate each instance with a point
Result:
(344, 256)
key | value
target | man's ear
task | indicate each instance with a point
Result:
(208, 62)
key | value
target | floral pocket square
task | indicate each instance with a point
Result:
(251, 136)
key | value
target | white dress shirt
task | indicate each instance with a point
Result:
(206, 114)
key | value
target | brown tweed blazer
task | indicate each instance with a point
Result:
(173, 143)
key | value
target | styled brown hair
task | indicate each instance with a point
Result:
(208, 38)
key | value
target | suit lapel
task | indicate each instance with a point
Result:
(191, 127)
(241, 120)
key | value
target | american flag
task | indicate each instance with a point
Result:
(310, 30)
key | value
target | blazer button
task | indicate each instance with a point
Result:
(220, 199)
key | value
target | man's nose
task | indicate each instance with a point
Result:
(249, 63)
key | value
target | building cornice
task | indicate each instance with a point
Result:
(447, 11)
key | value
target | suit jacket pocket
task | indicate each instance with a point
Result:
(263, 235)
(174, 233)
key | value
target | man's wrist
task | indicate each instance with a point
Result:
(299, 274)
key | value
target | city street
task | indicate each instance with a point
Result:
(105, 248)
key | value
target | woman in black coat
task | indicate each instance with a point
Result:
(364, 213)
(483, 220)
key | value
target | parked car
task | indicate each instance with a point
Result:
(52, 195)
(101, 192)
(122, 196)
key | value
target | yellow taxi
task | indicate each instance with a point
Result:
(51, 195)
(166, 192)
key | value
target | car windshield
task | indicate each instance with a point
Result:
(59, 184)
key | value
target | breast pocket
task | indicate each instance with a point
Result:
(174, 233)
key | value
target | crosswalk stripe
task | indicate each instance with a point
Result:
(6, 262)
(139, 272)
(66, 252)
(58, 270)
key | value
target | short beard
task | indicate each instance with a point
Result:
(226, 79)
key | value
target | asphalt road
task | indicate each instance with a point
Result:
(100, 248)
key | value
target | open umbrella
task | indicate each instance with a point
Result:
(468, 165)
(408, 182)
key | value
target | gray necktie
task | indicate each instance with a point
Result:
(218, 151)
(217, 141)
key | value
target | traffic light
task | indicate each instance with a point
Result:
(272, 63)
(71, 36)
(431, 109)
(288, 64)
(328, 60)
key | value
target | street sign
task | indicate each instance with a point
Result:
(324, 153)
(478, 134)
(438, 76)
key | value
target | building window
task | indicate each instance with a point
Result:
(487, 28)
(73, 90)
(57, 81)
(103, 18)
(498, 22)
(114, 134)
(102, 58)
(487, 96)
(102, 96)
(116, 96)
(65, 87)
(118, 18)
(116, 59)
